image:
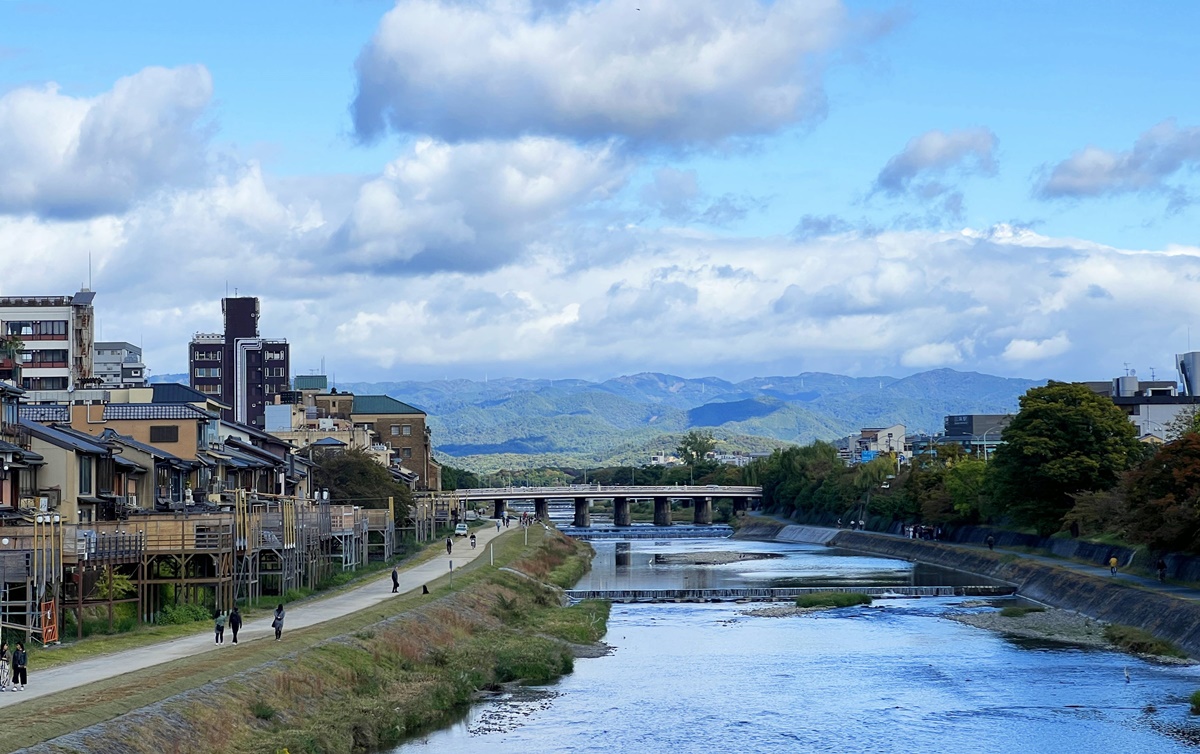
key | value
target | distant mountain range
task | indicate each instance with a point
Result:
(523, 423)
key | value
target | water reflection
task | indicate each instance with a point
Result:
(895, 677)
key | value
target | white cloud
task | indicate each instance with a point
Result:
(79, 157)
(1157, 155)
(1021, 349)
(934, 153)
(931, 355)
(664, 73)
(472, 206)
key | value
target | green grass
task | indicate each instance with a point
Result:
(1020, 612)
(1195, 700)
(1140, 642)
(832, 599)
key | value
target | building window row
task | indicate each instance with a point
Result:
(209, 389)
(207, 355)
(274, 355)
(208, 371)
(35, 328)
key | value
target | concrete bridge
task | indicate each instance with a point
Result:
(701, 498)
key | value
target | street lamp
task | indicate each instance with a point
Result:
(985, 445)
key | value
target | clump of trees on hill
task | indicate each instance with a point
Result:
(1070, 462)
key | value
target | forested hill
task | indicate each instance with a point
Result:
(529, 422)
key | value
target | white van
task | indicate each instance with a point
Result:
(460, 530)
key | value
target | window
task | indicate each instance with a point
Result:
(406, 452)
(406, 430)
(395, 431)
(208, 371)
(85, 475)
(165, 433)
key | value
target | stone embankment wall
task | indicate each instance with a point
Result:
(1174, 619)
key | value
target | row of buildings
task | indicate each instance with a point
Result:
(1151, 405)
(203, 493)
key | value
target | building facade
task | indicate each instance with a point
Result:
(117, 363)
(56, 335)
(238, 367)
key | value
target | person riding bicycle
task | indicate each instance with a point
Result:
(472, 541)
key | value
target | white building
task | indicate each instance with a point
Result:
(118, 363)
(56, 333)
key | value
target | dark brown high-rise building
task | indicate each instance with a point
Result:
(238, 367)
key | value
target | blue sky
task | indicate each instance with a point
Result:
(536, 188)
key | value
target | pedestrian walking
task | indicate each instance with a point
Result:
(991, 542)
(219, 628)
(497, 524)
(277, 622)
(395, 580)
(1112, 564)
(19, 677)
(1161, 567)
(449, 545)
(235, 622)
(4, 666)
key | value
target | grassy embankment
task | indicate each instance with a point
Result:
(361, 682)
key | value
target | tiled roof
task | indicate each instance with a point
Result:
(333, 441)
(151, 450)
(118, 411)
(44, 413)
(63, 438)
(382, 404)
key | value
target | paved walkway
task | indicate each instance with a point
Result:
(301, 615)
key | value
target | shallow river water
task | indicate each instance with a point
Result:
(893, 677)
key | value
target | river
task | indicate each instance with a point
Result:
(893, 677)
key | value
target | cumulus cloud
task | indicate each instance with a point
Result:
(919, 170)
(932, 355)
(1021, 349)
(83, 156)
(669, 73)
(1156, 156)
(676, 195)
(471, 206)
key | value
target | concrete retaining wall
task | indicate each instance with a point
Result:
(1166, 617)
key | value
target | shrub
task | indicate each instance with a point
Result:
(1195, 700)
(1140, 642)
(262, 710)
(832, 599)
(1020, 612)
(172, 615)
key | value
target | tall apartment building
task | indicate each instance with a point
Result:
(118, 363)
(238, 367)
(56, 335)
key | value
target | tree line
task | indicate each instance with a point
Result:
(1070, 461)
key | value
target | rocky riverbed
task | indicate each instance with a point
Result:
(1050, 625)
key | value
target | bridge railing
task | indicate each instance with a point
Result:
(595, 490)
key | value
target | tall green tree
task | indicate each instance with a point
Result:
(694, 446)
(1066, 439)
(355, 478)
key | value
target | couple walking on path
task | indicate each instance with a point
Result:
(235, 624)
(13, 668)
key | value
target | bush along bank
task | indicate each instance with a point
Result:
(385, 683)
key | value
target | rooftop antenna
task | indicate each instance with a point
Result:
(89, 270)
(1152, 374)
(1126, 368)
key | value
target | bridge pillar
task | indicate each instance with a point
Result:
(703, 511)
(621, 515)
(583, 517)
(498, 507)
(662, 512)
(541, 509)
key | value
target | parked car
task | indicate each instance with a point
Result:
(460, 530)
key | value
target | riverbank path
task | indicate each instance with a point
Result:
(303, 614)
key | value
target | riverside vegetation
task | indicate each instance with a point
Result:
(364, 682)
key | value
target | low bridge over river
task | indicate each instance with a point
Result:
(700, 497)
(773, 594)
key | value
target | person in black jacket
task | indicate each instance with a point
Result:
(18, 668)
(235, 622)
(277, 623)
